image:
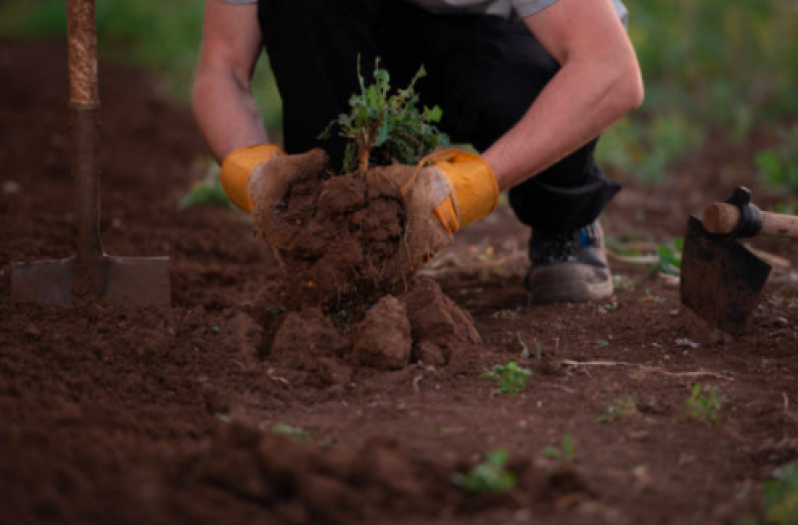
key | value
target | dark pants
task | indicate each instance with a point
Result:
(483, 71)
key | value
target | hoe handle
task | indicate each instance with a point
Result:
(84, 105)
(720, 218)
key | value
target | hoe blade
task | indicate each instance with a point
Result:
(124, 281)
(721, 280)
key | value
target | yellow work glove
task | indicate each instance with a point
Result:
(473, 193)
(446, 191)
(238, 167)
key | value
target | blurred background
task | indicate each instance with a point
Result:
(718, 73)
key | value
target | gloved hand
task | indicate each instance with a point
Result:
(446, 191)
(238, 168)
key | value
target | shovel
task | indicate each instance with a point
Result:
(721, 279)
(90, 274)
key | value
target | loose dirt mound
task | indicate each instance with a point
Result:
(420, 325)
(339, 239)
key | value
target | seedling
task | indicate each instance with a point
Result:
(386, 127)
(524, 347)
(563, 454)
(490, 476)
(295, 433)
(505, 314)
(511, 377)
(620, 407)
(623, 284)
(207, 192)
(649, 297)
(704, 404)
(670, 257)
(780, 497)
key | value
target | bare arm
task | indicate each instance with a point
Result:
(599, 82)
(222, 96)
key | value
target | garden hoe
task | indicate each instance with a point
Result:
(721, 279)
(90, 274)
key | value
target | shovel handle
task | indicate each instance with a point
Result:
(722, 219)
(84, 105)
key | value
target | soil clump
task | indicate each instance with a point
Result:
(421, 324)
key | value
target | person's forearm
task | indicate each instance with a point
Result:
(226, 113)
(580, 102)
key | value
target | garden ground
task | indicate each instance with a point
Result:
(167, 416)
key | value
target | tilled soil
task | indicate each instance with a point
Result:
(168, 416)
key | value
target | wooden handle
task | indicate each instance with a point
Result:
(720, 218)
(82, 36)
(84, 103)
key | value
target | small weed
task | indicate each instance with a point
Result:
(510, 377)
(787, 208)
(216, 329)
(704, 404)
(295, 433)
(621, 406)
(779, 165)
(207, 192)
(524, 346)
(609, 307)
(670, 257)
(780, 497)
(490, 476)
(602, 343)
(505, 314)
(623, 284)
(651, 298)
(563, 454)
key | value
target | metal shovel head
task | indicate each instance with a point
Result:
(721, 280)
(123, 281)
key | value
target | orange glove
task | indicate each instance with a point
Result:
(446, 191)
(474, 192)
(238, 167)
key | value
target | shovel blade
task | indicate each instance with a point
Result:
(124, 281)
(721, 280)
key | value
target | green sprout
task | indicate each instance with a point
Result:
(387, 127)
(206, 192)
(490, 476)
(510, 377)
(563, 454)
(780, 498)
(670, 257)
(704, 404)
(620, 407)
(295, 433)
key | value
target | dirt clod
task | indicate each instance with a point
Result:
(383, 339)
(437, 320)
(306, 337)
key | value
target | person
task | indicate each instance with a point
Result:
(529, 83)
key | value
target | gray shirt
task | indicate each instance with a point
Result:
(503, 8)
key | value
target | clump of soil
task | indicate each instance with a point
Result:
(345, 275)
(422, 324)
(339, 239)
(298, 482)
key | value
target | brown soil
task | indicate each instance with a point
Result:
(338, 239)
(166, 416)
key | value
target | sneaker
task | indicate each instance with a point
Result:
(568, 266)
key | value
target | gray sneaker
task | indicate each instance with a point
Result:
(568, 267)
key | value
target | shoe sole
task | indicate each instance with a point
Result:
(552, 288)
